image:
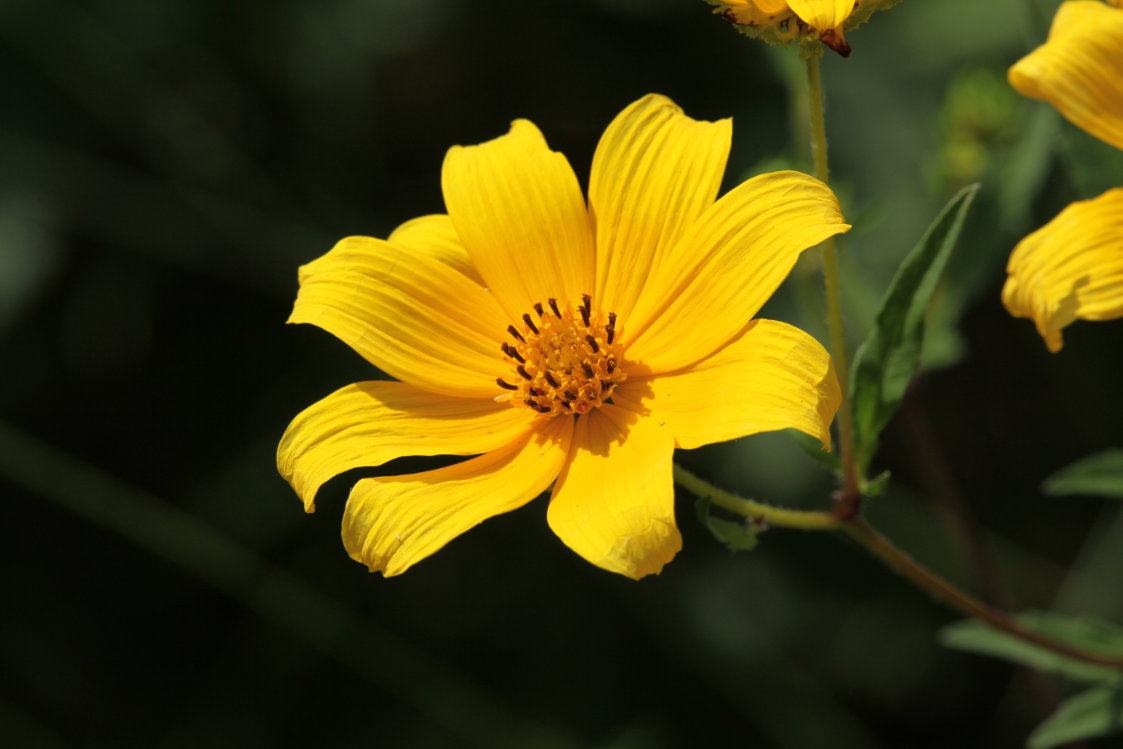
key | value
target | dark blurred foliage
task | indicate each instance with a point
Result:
(167, 166)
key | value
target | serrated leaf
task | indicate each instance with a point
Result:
(1090, 714)
(1087, 634)
(887, 361)
(738, 536)
(1100, 474)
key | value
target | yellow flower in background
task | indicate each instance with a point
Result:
(1072, 268)
(781, 21)
(561, 343)
(1079, 70)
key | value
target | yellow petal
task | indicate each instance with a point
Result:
(393, 522)
(370, 423)
(1069, 269)
(436, 236)
(1079, 70)
(518, 209)
(726, 266)
(411, 316)
(774, 376)
(614, 502)
(654, 172)
(822, 14)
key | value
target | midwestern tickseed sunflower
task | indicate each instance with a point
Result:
(782, 21)
(1072, 268)
(563, 343)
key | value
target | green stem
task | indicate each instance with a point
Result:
(757, 511)
(890, 555)
(850, 498)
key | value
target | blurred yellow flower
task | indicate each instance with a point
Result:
(563, 343)
(781, 21)
(1072, 268)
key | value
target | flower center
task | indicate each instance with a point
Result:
(564, 361)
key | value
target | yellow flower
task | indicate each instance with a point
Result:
(782, 21)
(1072, 268)
(1079, 70)
(561, 343)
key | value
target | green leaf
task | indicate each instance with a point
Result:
(876, 486)
(1095, 712)
(887, 361)
(1087, 634)
(737, 535)
(1100, 474)
(814, 449)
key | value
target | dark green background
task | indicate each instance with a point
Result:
(165, 169)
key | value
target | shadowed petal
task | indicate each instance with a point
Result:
(370, 423)
(393, 522)
(436, 236)
(411, 316)
(614, 501)
(519, 211)
(654, 172)
(1079, 70)
(1069, 269)
(774, 376)
(727, 265)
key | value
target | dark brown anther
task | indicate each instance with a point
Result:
(610, 365)
(567, 404)
(606, 385)
(551, 379)
(538, 308)
(536, 391)
(499, 381)
(515, 332)
(522, 370)
(530, 323)
(610, 329)
(584, 315)
(570, 395)
(586, 308)
(588, 370)
(530, 402)
(554, 307)
(592, 343)
(512, 352)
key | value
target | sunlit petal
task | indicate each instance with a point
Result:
(518, 209)
(726, 266)
(1070, 269)
(415, 318)
(370, 423)
(654, 172)
(822, 14)
(393, 522)
(614, 502)
(773, 376)
(1079, 70)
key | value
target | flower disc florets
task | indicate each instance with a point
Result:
(565, 361)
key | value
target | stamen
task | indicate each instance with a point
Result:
(610, 329)
(538, 308)
(570, 395)
(514, 331)
(586, 309)
(499, 381)
(610, 364)
(512, 352)
(522, 370)
(588, 370)
(592, 343)
(536, 391)
(554, 307)
(530, 323)
(551, 379)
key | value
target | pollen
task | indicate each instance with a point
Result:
(563, 360)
